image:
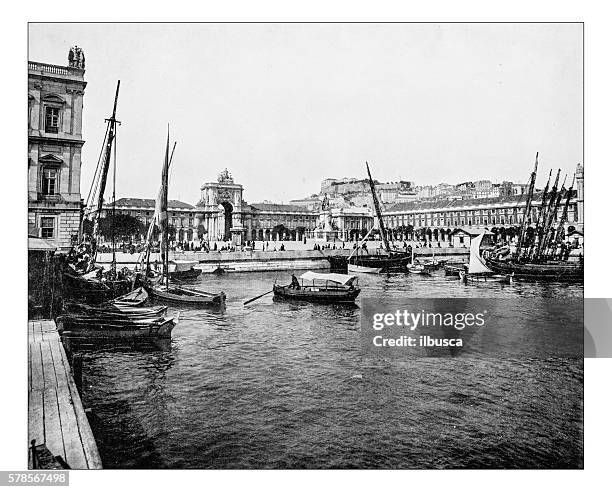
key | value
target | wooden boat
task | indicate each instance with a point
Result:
(178, 294)
(328, 288)
(161, 289)
(380, 263)
(536, 258)
(92, 289)
(117, 312)
(136, 297)
(183, 270)
(390, 260)
(477, 270)
(338, 263)
(453, 270)
(91, 325)
(556, 271)
(420, 269)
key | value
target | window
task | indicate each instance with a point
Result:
(47, 227)
(49, 182)
(51, 119)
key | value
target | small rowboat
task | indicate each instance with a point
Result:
(330, 288)
(478, 271)
(135, 298)
(118, 312)
(178, 294)
(421, 269)
(467, 278)
(91, 325)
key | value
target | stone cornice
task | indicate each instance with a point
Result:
(55, 140)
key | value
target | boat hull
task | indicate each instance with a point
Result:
(539, 271)
(185, 275)
(323, 296)
(94, 290)
(93, 326)
(363, 269)
(468, 278)
(188, 298)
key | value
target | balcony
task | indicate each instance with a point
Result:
(56, 70)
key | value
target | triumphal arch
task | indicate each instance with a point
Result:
(220, 209)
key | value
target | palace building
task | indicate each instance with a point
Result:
(436, 220)
(55, 107)
(222, 215)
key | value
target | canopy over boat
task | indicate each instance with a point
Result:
(477, 263)
(337, 278)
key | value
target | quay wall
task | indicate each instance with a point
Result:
(254, 261)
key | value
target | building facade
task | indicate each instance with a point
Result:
(436, 220)
(181, 215)
(55, 140)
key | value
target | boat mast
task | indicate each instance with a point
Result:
(540, 228)
(548, 215)
(563, 219)
(551, 231)
(383, 230)
(111, 130)
(527, 212)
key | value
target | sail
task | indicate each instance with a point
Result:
(477, 264)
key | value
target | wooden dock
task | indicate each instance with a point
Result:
(56, 416)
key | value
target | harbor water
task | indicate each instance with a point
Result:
(284, 385)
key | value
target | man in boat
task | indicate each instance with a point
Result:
(295, 284)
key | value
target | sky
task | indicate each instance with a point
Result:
(284, 106)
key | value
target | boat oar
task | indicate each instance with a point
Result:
(255, 298)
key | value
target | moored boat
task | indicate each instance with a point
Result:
(539, 271)
(137, 297)
(178, 294)
(329, 288)
(183, 270)
(477, 270)
(96, 326)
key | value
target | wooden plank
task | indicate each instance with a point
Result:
(75, 454)
(36, 417)
(53, 426)
(48, 367)
(38, 378)
(94, 462)
(62, 371)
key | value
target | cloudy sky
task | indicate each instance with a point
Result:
(283, 106)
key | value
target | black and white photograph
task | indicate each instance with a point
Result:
(264, 246)
(305, 245)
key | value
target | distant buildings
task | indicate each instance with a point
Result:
(55, 107)
(222, 214)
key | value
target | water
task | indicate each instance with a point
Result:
(280, 385)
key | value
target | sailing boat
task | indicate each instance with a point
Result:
(477, 270)
(420, 268)
(82, 279)
(160, 288)
(540, 261)
(390, 261)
